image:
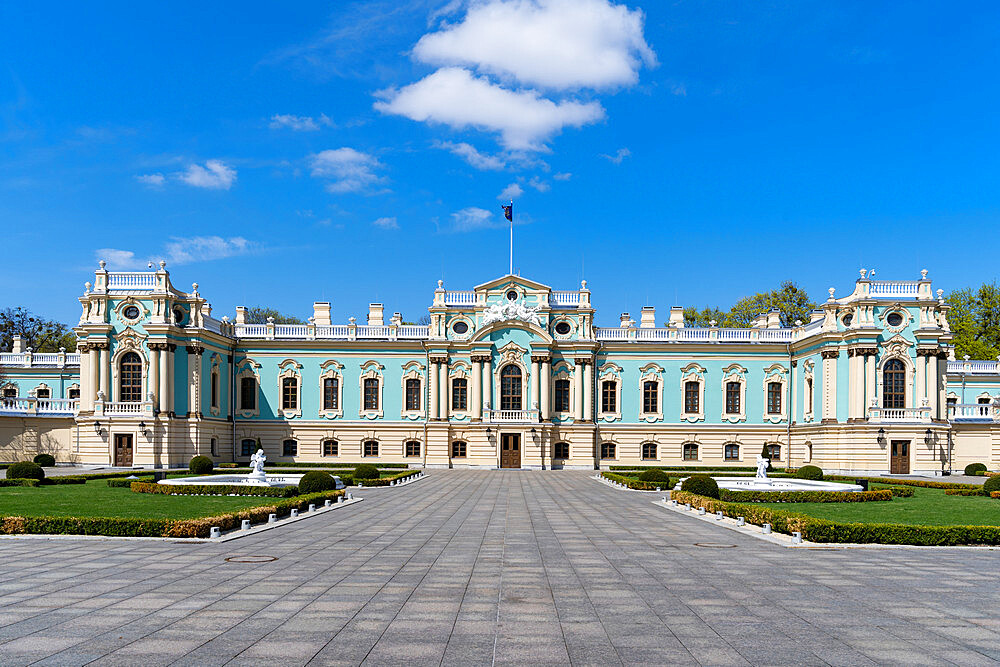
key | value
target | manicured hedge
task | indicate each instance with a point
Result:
(994, 494)
(633, 483)
(25, 470)
(125, 482)
(201, 465)
(991, 484)
(694, 468)
(19, 482)
(805, 496)
(331, 464)
(214, 490)
(966, 492)
(975, 469)
(821, 530)
(65, 479)
(927, 484)
(316, 480)
(703, 485)
(902, 491)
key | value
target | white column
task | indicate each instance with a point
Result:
(154, 376)
(871, 384)
(829, 384)
(932, 387)
(477, 389)
(578, 391)
(534, 401)
(921, 378)
(855, 384)
(588, 392)
(445, 400)
(546, 392)
(488, 384)
(432, 412)
(167, 379)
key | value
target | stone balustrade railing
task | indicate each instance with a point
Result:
(974, 367)
(511, 416)
(332, 332)
(879, 415)
(39, 406)
(40, 359)
(980, 412)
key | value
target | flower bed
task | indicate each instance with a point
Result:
(633, 483)
(727, 495)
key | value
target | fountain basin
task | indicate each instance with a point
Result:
(781, 484)
(241, 480)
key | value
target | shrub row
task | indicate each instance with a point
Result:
(994, 494)
(928, 484)
(805, 496)
(66, 479)
(331, 464)
(125, 482)
(821, 530)
(633, 483)
(48, 481)
(122, 527)
(694, 468)
(19, 482)
(902, 491)
(214, 490)
(966, 492)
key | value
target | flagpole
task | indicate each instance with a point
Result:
(511, 238)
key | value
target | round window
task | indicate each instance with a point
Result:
(562, 328)
(894, 319)
(131, 313)
(512, 295)
(460, 327)
(848, 318)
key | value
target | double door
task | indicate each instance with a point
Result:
(899, 457)
(510, 450)
(123, 450)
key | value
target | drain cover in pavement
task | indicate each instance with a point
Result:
(251, 559)
(714, 545)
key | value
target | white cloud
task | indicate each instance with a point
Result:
(351, 170)
(618, 157)
(556, 44)
(562, 176)
(215, 175)
(679, 89)
(469, 153)
(299, 123)
(512, 191)
(454, 97)
(539, 184)
(152, 180)
(387, 223)
(472, 218)
(179, 250)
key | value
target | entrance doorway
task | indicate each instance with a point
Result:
(123, 450)
(510, 450)
(899, 457)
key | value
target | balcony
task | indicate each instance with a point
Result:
(512, 416)
(987, 413)
(39, 359)
(55, 407)
(973, 367)
(878, 415)
(123, 408)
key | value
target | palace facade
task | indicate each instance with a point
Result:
(509, 374)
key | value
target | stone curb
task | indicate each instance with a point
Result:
(608, 482)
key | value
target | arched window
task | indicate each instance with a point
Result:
(510, 387)
(370, 448)
(894, 384)
(412, 448)
(690, 452)
(774, 452)
(561, 450)
(130, 378)
(289, 448)
(289, 393)
(649, 396)
(330, 447)
(649, 450)
(732, 452)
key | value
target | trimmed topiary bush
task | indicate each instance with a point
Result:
(315, 481)
(991, 484)
(366, 471)
(47, 460)
(25, 470)
(975, 468)
(655, 475)
(809, 472)
(702, 485)
(201, 465)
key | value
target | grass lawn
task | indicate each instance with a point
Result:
(927, 507)
(97, 499)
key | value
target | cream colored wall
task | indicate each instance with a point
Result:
(21, 438)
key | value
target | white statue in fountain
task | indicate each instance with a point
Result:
(762, 464)
(257, 466)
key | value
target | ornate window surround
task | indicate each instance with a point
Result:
(895, 308)
(656, 448)
(512, 353)
(331, 369)
(131, 301)
(248, 368)
(561, 370)
(289, 368)
(693, 372)
(734, 373)
(461, 318)
(776, 373)
(612, 372)
(566, 336)
(216, 372)
(75, 385)
(371, 369)
(413, 370)
(460, 370)
(41, 385)
(654, 373)
(808, 376)
(128, 340)
(896, 347)
(697, 448)
(10, 384)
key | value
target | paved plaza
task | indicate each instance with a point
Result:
(482, 567)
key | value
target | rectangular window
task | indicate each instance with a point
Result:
(458, 450)
(331, 394)
(691, 398)
(732, 452)
(10, 392)
(459, 394)
(562, 396)
(690, 452)
(412, 448)
(649, 450)
(289, 448)
(215, 389)
(774, 398)
(371, 393)
(248, 447)
(413, 394)
(649, 402)
(732, 398)
(43, 393)
(370, 448)
(74, 393)
(607, 450)
(609, 396)
(561, 450)
(330, 448)
(289, 394)
(248, 393)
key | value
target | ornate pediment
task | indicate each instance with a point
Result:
(511, 352)
(129, 339)
(512, 310)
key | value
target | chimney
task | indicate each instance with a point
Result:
(397, 319)
(774, 319)
(321, 313)
(241, 315)
(17, 345)
(676, 317)
(816, 315)
(625, 321)
(647, 319)
(760, 322)
(375, 315)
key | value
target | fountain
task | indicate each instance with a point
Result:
(256, 477)
(761, 482)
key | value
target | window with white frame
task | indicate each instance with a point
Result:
(562, 403)
(560, 450)
(411, 448)
(459, 394)
(649, 451)
(693, 393)
(731, 452)
(331, 387)
(130, 378)
(689, 451)
(775, 386)
(651, 393)
(290, 387)
(562, 389)
(371, 390)
(289, 447)
(607, 450)
(369, 448)
(458, 449)
(43, 392)
(734, 393)
(248, 446)
(331, 447)
(413, 391)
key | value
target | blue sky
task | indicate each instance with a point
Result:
(682, 153)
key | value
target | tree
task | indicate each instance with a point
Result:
(259, 315)
(791, 300)
(38, 333)
(703, 318)
(974, 320)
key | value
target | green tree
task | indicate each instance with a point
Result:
(38, 333)
(259, 315)
(703, 318)
(790, 299)
(974, 320)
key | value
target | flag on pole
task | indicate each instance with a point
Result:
(508, 211)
